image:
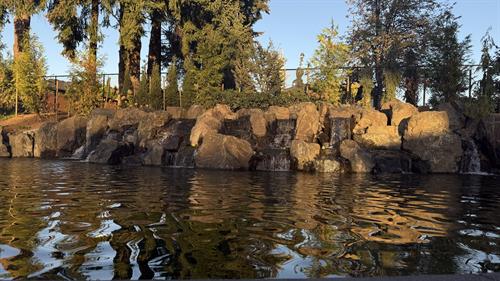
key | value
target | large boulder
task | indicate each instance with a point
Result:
(257, 120)
(21, 144)
(154, 155)
(194, 111)
(223, 152)
(110, 151)
(96, 128)
(488, 135)
(278, 113)
(392, 162)
(326, 165)
(4, 149)
(175, 112)
(126, 118)
(46, 141)
(456, 118)
(428, 137)
(71, 135)
(308, 123)
(360, 160)
(210, 122)
(398, 112)
(368, 118)
(380, 137)
(304, 154)
(150, 125)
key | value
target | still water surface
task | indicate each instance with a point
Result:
(65, 220)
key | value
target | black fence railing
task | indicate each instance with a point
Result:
(58, 85)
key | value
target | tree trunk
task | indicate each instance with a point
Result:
(94, 30)
(154, 56)
(134, 62)
(21, 29)
(379, 72)
(121, 54)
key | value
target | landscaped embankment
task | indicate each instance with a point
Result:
(303, 137)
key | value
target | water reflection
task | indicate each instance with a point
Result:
(63, 220)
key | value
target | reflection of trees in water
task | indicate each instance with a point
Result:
(154, 223)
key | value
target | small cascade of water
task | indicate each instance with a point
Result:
(471, 161)
(277, 160)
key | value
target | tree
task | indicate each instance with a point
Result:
(267, 74)
(189, 87)
(446, 57)
(329, 58)
(155, 91)
(28, 72)
(172, 90)
(383, 29)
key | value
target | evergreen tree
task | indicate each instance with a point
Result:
(446, 57)
(267, 74)
(382, 30)
(155, 91)
(189, 89)
(141, 98)
(172, 90)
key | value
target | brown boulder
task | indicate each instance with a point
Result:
(46, 141)
(398, 111)
(21, 144)
(308, 123)
(154, 155)
(368, 118)
(194, 111)
(149, 126)
(175, 112)
(96, 128)
(124, 118)
(280, 113)
(428, 123)
(380, 137)
(257, 120)
(223, 152)
(304, 154)
(359, 159)
(71, 135)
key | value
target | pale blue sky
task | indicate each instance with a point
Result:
(292, 25)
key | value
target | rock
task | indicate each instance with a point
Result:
(4, 151)
(368, 118)
(194, 111)
(126, 118)
(175, 112)
(428, 123)
(339, 128)
(210, 122)
(154, 155)
(380, 137)
(21, 144)
(398, 112)
(175, 134)
(184, 158)
(46, 141)
(392, 162)
(488, 136)
(257, 121)
(324, 165)
(280, 113)
(223, 152)
(150, 125)
(304, 154)
(71, 134)
(429, 138)
(360, 160)
(344, 112)
(308, 123)
(456, 119)
(103, 112)
(96, 128)
(110, 151)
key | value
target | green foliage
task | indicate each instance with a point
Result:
(155, 91)
(268, 64)
(329, 58)
(7, 97)
(392, 79)
(84, 92)
(366, 81)
(127, 83)
(447, 76)
(172, 89)
(189, 87)
(29, 70)
(141, 98)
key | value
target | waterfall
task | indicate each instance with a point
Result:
(277, 160)
(471, 161)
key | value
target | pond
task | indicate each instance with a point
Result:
(70, 220)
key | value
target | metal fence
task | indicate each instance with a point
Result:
(57, 100)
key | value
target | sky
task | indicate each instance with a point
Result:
(292, 25)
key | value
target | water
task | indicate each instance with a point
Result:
(66, 220)
(471, 162)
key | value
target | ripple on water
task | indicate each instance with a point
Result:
(80, 221)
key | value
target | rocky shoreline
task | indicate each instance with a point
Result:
(303, 137)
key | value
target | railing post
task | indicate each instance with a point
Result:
(56, 108)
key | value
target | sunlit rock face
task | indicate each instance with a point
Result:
(304, 137)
